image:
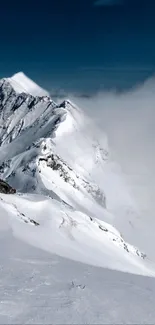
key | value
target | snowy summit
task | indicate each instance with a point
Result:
(21, 83)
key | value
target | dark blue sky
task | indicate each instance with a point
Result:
(75, 44)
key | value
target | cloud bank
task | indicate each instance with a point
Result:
(128, 119)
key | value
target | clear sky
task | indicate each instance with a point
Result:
(78, 44)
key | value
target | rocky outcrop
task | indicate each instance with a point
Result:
(6, 188)
(72, 178)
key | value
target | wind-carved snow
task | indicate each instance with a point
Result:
(72, 234)
(59, 155)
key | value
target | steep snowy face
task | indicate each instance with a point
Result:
(18, 111)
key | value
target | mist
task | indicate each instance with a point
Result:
(128, 119)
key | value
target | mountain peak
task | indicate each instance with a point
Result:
(20, 74)
(21, 83)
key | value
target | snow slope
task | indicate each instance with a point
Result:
(55, 227)
(41, 288)
(56, 153)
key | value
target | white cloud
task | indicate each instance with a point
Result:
(129, 121)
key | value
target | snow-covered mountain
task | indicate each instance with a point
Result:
(56, 158)
(69, 195)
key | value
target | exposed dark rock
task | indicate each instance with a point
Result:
(142, 255)
(6, 188)
(103, 228)
(80, 286)
(34, 222)
(126, 247)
